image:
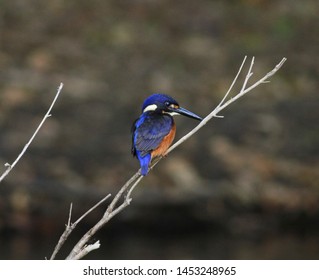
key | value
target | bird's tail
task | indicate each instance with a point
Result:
(144, 170)
(144, 162)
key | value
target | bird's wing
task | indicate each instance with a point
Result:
(149, 132)
(133, 129)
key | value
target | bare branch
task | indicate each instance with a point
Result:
(71, 226)
(81, 248)
(8, 166)
(109, 214)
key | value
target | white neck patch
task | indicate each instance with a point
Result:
(152, 107)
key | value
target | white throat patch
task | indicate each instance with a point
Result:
(152, 107)
(173, 113)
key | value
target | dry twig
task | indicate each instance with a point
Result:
(9, 166)
(82, 248)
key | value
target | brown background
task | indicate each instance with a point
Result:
(244, 187)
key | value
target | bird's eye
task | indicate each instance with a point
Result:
(167, 104)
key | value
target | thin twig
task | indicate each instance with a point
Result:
(70, 215)
(220, 107)
(64, 236)
(249, 74)
(233, 82)
(9, 166)
(92, 208)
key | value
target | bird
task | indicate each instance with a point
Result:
(154, 131)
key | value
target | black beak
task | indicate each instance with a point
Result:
(184, 112)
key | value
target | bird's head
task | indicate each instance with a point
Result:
(165, 104)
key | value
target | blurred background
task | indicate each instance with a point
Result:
(244, 187)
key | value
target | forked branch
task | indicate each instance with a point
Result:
(82, 248)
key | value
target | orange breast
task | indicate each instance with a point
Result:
(167, 141)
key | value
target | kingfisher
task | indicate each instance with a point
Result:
(154, 131)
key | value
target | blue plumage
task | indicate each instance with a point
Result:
(149, 131)
(154, 130)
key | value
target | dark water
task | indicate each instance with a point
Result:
(127, 240)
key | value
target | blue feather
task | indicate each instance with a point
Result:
(144, 162)
(148, 132)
